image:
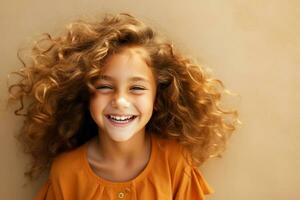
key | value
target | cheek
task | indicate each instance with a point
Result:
(145, 104)
(96, 105)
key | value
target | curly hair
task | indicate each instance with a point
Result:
(56, 84)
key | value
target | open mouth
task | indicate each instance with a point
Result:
(120, 120)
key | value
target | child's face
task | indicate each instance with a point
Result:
(126, 90)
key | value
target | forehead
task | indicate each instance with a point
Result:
(129, 63)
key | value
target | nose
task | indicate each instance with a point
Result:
(120, 101)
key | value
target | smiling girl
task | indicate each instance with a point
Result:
(116, 112)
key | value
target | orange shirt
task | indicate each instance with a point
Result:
(168, 175)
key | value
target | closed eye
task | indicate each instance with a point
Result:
(104, 87)
(138, 88)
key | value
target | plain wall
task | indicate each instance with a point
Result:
(253, 46)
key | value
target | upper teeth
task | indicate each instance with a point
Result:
(120, 117)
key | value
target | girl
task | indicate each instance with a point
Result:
(117, 113)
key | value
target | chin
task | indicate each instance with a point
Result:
(121, 138)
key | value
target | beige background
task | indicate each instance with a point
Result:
(253, 46)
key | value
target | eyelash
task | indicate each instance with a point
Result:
(103, 87)
(110, 87)
(138, 88)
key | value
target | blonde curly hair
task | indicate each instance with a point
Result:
(58, 81)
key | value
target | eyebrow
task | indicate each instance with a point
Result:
(131, 79)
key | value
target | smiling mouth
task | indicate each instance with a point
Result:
(120, 120)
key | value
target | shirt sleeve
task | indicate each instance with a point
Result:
(192, 185)
(46, 192)
(189, 183)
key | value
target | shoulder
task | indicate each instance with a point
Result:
(187, 180)
(68, 163)
(174, 152)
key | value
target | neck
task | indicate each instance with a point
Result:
(127, 151)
